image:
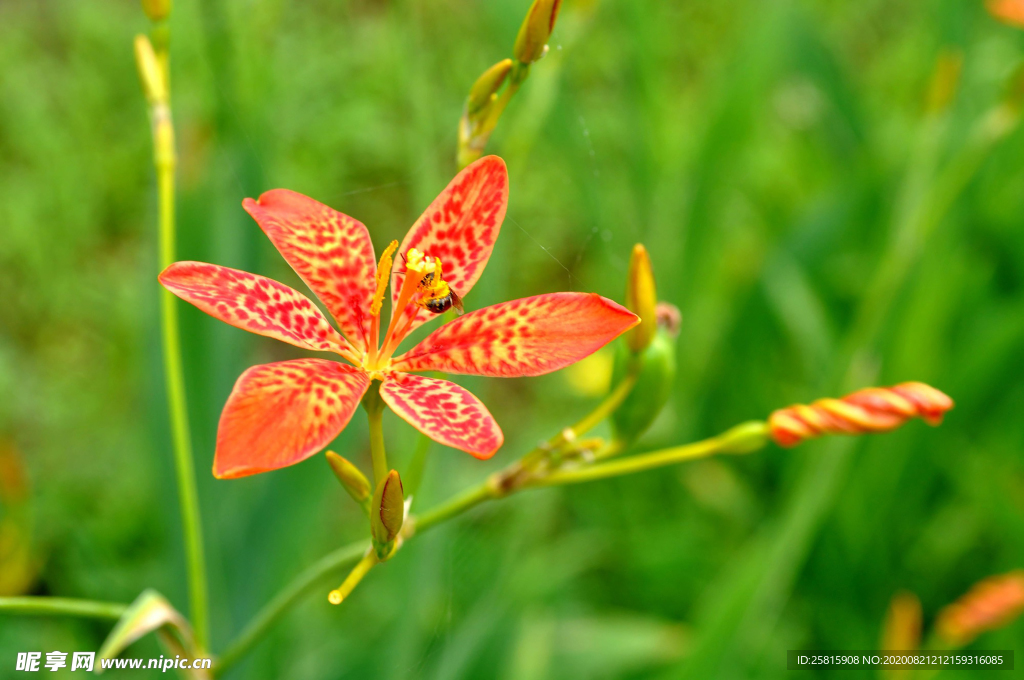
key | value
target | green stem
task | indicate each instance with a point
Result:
(744, 438)
(585, 424)
(375, 416)
(273, 610)
(453, 507)
(165, 161)
(61, 606)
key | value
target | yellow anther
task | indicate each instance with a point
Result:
(435, 285)
(417, 263)
(383, 274)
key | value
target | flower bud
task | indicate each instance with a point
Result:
(655, 368)
(157, 10)
(875, 409)
(387, 513)
(641, 299)
(354, 481)
(486, 87)
(532, 41)
(151, 73)
(990, 604)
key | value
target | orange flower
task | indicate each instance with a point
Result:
(875, 409)
(1008, 11)
(279, 414)
(990, 604)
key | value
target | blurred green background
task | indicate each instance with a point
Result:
(820, 225)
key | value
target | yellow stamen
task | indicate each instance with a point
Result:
(383, 274)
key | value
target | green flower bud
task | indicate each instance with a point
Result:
(354, 481)
(387, 513)
(486, 86)
(655, 367)
(532, 41)
(157, 10)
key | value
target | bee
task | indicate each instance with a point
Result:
(437, 296)
(440, 296)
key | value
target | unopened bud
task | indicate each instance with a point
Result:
(875, 409)
(157, 10)
(1010, 12)
(486, 87)
(532, 41)
(990, 604)
(655, 370)
(902, 629)
(641, 299)
(387, 513)
(151, 73)
(354, 481)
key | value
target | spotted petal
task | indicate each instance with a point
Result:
(253, 303)
(282, 413)
(330, 251)
(529, 336)
(460, 227)
(443, 411)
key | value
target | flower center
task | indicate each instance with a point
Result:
(422, 285)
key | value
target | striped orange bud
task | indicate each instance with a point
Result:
(875, 409)
(1008, 11)
(990, 604)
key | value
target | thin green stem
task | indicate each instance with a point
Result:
(470, 498)
(585, 424)
(62, 606)
(744, 438)
(174, 376)
(309, 577)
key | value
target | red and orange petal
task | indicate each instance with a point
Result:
(330, 251)
(525, 337)
(253, 303)
(443, 411)
(460, 227)
(282, 413)
(1008, 11)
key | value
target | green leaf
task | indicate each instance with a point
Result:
(148, 613)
